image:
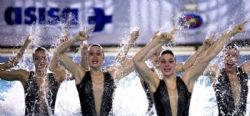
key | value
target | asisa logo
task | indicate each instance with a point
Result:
(29, 15)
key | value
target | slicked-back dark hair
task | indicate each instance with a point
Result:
(41, 49)
(231, 46)
(167, 52)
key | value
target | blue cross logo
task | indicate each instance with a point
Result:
(99, 19)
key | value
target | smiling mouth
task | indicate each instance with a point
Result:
(230, 63)
(167, 70)
(40, 64)
(94, 62)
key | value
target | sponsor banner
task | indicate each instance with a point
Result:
(110, 20)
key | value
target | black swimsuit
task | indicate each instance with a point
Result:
(162, 102)
(85, 91)
(32, 99)
(224, 96)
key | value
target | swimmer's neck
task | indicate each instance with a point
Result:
(96, 71)
(170, 78)
(41, 72)
(230, 69)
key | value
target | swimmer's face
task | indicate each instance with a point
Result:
(167, 64)
(231, 56)
(95, 56)
(40, 59)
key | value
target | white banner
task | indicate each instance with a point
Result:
(113, 19)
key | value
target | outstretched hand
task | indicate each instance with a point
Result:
(209, 40)
(84, 34)
(168, 36)
(84, 45)
(134, 35)
(239, 27)
(64, 38)
(28, 39)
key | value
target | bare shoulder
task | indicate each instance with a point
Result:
(23, 75)
(246, 66)
(59, 75)
(179, 67)
(211, 70)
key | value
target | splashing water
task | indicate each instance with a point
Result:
(129, 99)
(34, 32)
(13, 103)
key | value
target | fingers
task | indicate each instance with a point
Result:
(173, 31)
(64, 39)
(208, 41)
(83, 34)
(135, 34)
(167, 36)
(244, 22)
(241, 26)
(84, 44)
(28, 39)
(157, 32)
(85, 31)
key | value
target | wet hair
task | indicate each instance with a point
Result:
(231, 46)
(96, 45)
(167, 52)
(41, 49)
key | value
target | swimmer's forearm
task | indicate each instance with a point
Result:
(126, 46)
(84, 59)
(225, 37)
(124, 51)
(12, 75)
(147, 51)
(3, 66)
(21, 51)
(54, 63)
(65, 45)
(190, 61)
(218, 46)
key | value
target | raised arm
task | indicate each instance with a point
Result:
(76, 70)
(126, 46)
(65, 45)
(190, 61)
(14, 75)
(203, 59)
(13, 62)
(139, 59)
(57, 69)
(54, 66)
(125, 65)
(84, 58)
(246, 67)
(121, 69)
(214, 49)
